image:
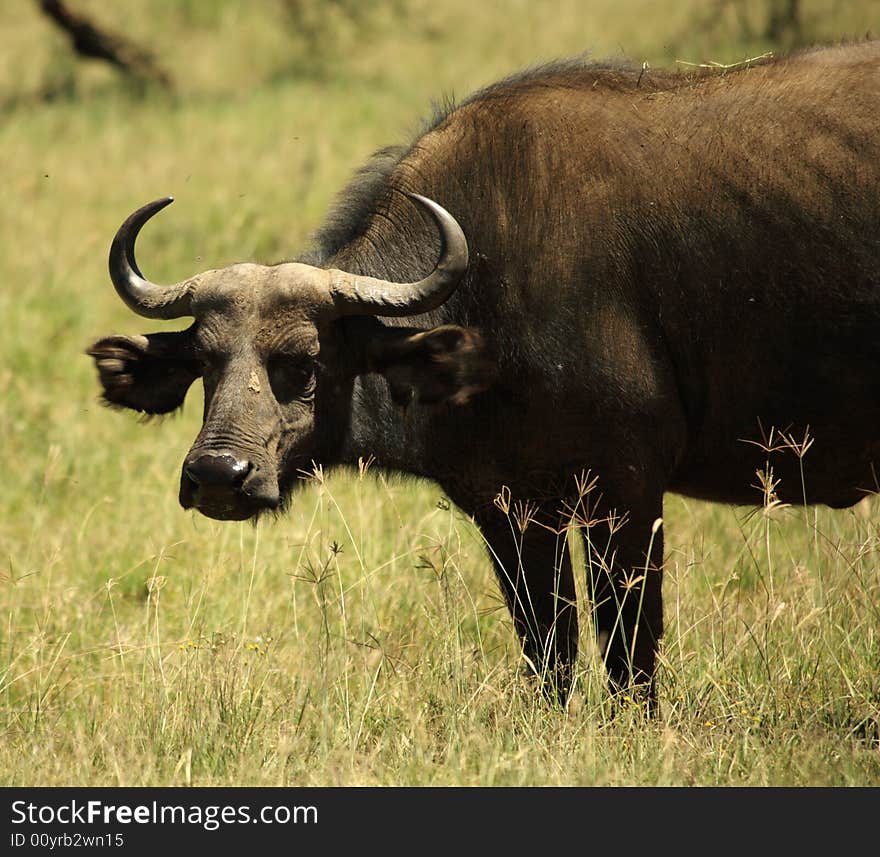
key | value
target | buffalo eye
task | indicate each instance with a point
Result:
(290, 377)
(211, 363)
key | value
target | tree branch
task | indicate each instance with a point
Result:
(90, 41)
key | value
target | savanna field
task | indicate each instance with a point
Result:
(359, 639)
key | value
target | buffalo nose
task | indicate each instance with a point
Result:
(217, 471)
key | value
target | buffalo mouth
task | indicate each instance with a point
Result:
(228, 508)
(232, 501)
(226, 511)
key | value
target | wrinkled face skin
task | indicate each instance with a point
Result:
(258, 359)
(278, 348)
(277, 373)
(258, 354)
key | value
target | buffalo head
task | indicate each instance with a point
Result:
(278, 349)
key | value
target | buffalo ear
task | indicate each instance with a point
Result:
(444, 365)
(150, 374)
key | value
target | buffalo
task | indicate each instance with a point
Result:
(580, 288)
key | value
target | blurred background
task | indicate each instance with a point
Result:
(361, 639)
(270, 104)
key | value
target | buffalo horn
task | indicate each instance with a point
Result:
(140, 295)
(354, 295)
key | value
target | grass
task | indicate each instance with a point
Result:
(361, 639)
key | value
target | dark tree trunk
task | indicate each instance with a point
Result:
(90, 41)
(783, 16)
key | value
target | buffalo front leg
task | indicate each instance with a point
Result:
(534, 570)
(624, 577)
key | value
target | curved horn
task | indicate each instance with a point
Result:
(140, 295)
(354, 295)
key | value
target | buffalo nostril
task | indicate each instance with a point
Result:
(217, 470)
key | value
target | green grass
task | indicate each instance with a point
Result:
(361, 638)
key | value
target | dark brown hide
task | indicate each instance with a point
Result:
(662, 268)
